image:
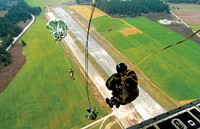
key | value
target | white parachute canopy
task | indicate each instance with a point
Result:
(58, 29)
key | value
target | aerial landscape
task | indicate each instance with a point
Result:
(56, 58)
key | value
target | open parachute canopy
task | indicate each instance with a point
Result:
(58, 29)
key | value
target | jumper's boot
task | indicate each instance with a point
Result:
(117, 105)
(115, 101)
(109, 102)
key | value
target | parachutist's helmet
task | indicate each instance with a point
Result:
(121, 67)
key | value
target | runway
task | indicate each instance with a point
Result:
(145, 105)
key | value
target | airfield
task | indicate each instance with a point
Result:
(106, 62)
(138, 110)
(143, 110)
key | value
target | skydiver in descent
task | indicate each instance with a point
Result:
(71, 72)
(92, 113)
(123, 85)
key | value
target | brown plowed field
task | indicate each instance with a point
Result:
(190, 17)
(8, 73)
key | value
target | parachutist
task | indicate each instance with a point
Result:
(92, 113)
(71, 72)
(57, 29)
(123, 85)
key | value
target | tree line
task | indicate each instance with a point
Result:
(184, 1)
(17, 10)
(129, 8)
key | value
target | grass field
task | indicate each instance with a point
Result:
(195, 27)
(42, 95)
(43, 3)
(175, 70)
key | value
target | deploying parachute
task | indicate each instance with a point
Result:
(57, 29)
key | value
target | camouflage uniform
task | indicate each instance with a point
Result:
(124, 88)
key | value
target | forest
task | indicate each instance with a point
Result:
(16, 11)
(129, 8)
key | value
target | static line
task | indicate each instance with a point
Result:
(86, 53)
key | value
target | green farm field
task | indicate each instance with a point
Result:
(43, 3)
(42, 95)
(195, 27)
(175, 70)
